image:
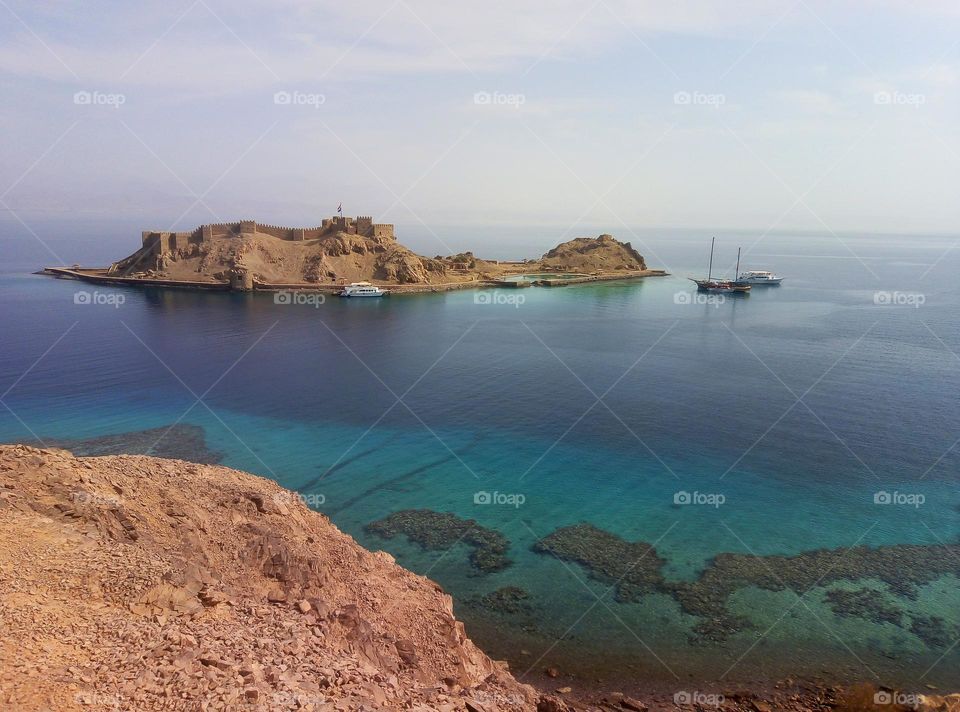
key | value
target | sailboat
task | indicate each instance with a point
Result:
(723, 286)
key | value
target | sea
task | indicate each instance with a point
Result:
(818, 416)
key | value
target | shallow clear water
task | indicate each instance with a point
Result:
(539, 276)
(596, 403)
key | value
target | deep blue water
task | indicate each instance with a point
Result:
(503, 397)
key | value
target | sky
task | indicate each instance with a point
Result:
(583, 117)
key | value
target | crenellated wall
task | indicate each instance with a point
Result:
(163, 242)
(382, 230)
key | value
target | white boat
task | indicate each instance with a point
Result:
(362, 289)
(759, 276)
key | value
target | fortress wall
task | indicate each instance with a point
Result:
(283, 233)
(223, 229)
(292, 233)
(172, 241)
(167, 241)
(382, 230)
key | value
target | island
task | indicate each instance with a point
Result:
(249, 256)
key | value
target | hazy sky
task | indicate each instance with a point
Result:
(588, 115)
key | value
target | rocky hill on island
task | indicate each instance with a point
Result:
(247, 255)
(332, 258)
(589, 254)
(136, 583)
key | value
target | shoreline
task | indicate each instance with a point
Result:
(98, 275)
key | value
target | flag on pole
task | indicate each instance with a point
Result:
(340, 209)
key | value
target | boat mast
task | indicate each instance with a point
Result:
(736, 275)
(710, 269)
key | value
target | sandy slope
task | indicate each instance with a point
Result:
(131, 582)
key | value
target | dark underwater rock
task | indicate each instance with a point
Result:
(635, 569)
(933, 631)
(442, 530)
(508, 599)
(181, 441)
(866, 603)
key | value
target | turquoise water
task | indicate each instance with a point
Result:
(698, 397)
(545, 275)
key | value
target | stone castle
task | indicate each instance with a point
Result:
(173, 241)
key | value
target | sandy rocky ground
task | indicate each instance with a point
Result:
(138, 583)
(348, 258)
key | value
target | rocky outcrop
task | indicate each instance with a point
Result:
(247, 260)
(338, 257)
(130, 582)
(588, 254)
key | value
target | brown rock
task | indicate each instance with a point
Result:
(551, 704)
(407, 652)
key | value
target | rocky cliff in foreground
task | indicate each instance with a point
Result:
(137, 583)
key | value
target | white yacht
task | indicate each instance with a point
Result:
(362, 289)
(759, 276)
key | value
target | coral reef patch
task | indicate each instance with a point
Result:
(635, 569)
(441, 531)
(934, 631)
(508, 599)
(181, 441)
(866, 603)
